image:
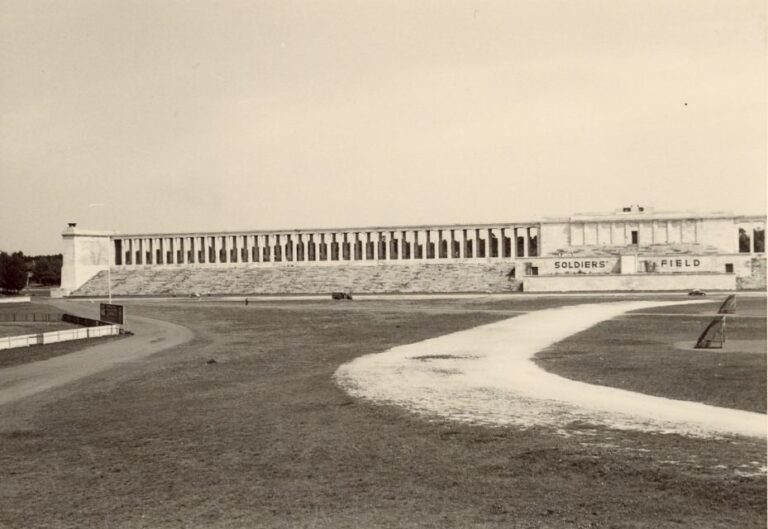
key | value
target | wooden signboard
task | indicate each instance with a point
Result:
(112, 313)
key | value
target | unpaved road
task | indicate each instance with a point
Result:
(151, 336)
(486, 375)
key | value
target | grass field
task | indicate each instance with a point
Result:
(643, 352)
(22, 310)
(263, 438)
(36, 353)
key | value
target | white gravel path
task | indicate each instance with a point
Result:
(486, 375)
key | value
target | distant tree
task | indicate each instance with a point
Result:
(46, 269)
(13, 272)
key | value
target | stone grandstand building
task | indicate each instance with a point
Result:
(633, 248)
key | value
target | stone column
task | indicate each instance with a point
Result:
(355, 240)
(175, 242)
(310, 249)
(178, 250)
(232, 249)
(275, 251)
(346, 247)
(213, 254)
(495, 243)
(375, 238)
(186, 246)
(468, 248)
(202, 250)
(128, 250)
(393, 246)
(526, 241)
(476, 249)
(298, 248)
(253, 249)
(502, 244)
(407, 242)
(263, 247)
(433, 241)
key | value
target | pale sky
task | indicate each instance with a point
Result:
(198, 115)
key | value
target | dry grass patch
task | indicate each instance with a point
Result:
(263, 438)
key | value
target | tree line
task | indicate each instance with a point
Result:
(18, 270)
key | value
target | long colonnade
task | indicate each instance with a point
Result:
(329, 246)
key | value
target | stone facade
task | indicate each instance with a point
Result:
(629, 241)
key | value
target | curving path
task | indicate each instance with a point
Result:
(151, 336)
(486, 375)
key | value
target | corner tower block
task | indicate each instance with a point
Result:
(85, 254)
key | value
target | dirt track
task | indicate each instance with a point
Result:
(486, 375)
(151, 337)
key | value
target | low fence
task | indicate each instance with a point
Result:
(11, 342)
(84, 322)
(6, 317)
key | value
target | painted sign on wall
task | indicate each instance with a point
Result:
(575, 265)
(675, 264)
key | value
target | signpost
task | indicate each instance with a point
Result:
(112, 313)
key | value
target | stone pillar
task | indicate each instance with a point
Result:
(526, 241)
(178, 250)
(186, 246)
(298, 248)
(433, 240)
(393, 246)
(407, 242)
(417, 238)
(237, 246)
(169, 245)
(310, 248)
(128, 251)
(469, 244)
(502, 244)
(346, 246)
(253, 248)
(375, 238)
(495, 243)
(423, 239)
(263, 246)
(476, 238)
(203, 250)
